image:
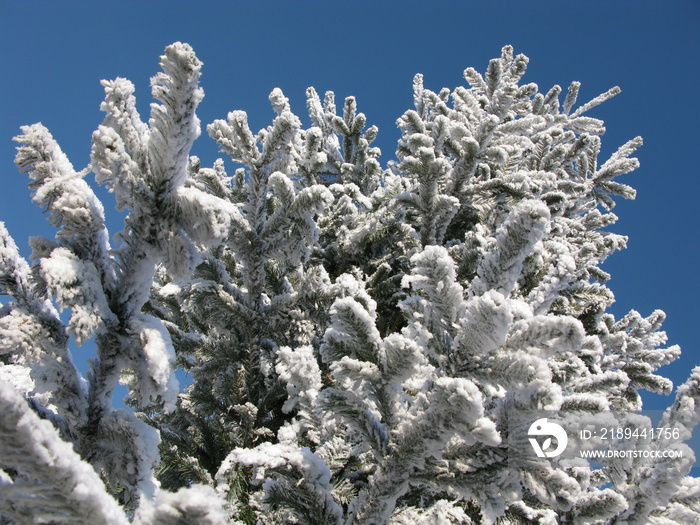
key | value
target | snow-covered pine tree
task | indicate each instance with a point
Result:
(357, 337)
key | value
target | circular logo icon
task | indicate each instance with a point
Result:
(545, 431)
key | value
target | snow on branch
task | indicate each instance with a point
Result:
(71, 203)
(173, 123)
(51, 483)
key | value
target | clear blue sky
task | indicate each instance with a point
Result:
(55, 53)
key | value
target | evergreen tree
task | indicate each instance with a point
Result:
(360, 339)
